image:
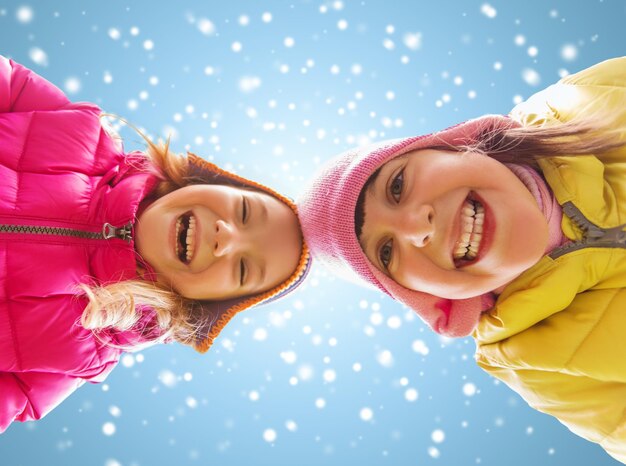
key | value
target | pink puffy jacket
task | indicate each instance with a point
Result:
(62, 177)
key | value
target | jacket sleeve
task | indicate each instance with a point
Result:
(599, 90)
(591, 408)
(22, 90)
(27, 396)
(571, 364)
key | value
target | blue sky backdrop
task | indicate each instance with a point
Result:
(334, 374)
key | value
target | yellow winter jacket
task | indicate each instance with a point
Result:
(557, 334)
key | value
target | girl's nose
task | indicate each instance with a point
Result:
(225, 238)
(418, 226)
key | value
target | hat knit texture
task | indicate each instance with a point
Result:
(326, 212)
(214, 315)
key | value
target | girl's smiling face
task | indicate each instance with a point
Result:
(217, 242)
(454, 225)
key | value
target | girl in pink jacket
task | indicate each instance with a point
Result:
(102, 251)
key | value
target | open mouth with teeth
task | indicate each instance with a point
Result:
(185, 237)
(472, 222)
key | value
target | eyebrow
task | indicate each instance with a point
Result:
(264, 218)
(263, 213)
(373, 191)
(368, 244)
(359, 210)
(262, 272)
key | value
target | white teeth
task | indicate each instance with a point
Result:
(472, 218)
(178, 224)
(460, 251)
(191, 231)
(190, 237)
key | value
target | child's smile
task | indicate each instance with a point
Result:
(219, 242)
(472, 220)
(185, 237)
(450, 224)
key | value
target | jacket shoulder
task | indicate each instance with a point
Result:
(24, 90)
(598, 90)
(610, 73)
(570, 364)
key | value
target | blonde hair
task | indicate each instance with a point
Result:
(118, 306)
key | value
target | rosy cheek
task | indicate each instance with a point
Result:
(216, 279)
(420, 272)
(407, 275)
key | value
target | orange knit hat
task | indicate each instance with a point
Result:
(216, 314)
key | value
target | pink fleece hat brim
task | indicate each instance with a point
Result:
(326, 212)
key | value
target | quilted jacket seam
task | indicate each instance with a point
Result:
(592, 329)
(18, 167)
(12, 329)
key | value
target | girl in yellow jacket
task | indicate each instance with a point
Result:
(511, 229)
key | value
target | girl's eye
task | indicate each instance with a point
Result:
(397, 185)
(384, 254)
(242, 272)
(244, 210)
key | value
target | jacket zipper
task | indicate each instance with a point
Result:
(108, 231)
(593, 235)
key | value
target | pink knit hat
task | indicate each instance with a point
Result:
(326, 212)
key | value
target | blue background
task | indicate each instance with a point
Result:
(334, 374)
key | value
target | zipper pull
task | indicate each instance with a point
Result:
(615, 235)
(593, 234)
(124, 232)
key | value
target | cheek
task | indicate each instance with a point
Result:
(146, 240)
(153, 221)
(214, 282)
(421, 274)
(415, 272)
